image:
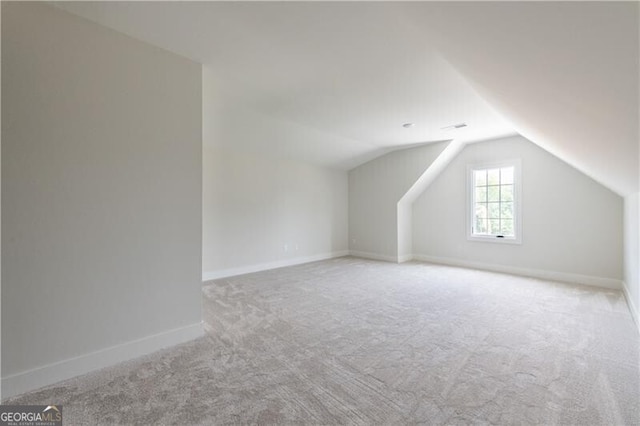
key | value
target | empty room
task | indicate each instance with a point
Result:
(320, 213)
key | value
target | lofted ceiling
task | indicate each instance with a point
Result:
(352, 70)
(560, 74)
(565, 74)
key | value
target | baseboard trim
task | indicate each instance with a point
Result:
(36, 378)
(527, 272)
(632, 307)
(241, 270)
(405, 258)
(374, 256)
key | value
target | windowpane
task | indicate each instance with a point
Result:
(507, 228)
(480, 226)
(481, 210)
(481, 194)
(506, 192)
(494, 193)
(506, 210)
(493, 176)
(480, 177)
(494, 226)
(506, 175)
(494, 210)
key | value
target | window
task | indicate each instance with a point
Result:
(494, 202)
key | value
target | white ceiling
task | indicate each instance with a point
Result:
(565, 74)
(356, 71)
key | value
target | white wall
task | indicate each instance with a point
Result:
(404, 221)
(405, 205)
(101, 212)
(571, 224)
(264, 208)
(632, 253)
(260, 213)
(0, 209)
(375, 188)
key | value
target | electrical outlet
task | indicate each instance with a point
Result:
(286, 247)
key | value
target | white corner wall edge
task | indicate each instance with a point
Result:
(526, 272)
(36, 378)
(438, 165)
(632, 307)
(241, 270)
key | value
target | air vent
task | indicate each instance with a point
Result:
(455, 126)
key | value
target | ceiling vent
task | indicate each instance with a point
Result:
(455, 126)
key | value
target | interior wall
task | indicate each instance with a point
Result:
(101, 187)
(570, 223)
(264, 209)
(405, 205)
(405, 232)
(260, 213)
(632, 253)
(0, 208)
(375, 188)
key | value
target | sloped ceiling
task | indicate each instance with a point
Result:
(562, 74)
(351, 71)
(565, 74)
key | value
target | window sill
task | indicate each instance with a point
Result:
(493, 239)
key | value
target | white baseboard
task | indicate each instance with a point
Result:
(405, 258)
(527, 272)
(26, 381)
(241, 270)
(632, 307)
(374, 256)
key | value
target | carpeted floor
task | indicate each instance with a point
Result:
(352, 341)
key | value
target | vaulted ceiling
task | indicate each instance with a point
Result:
(564, 75)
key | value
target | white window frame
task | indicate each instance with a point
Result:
(517, 202)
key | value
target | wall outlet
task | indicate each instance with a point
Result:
(285, 247)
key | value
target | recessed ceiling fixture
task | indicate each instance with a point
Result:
(455, 126)
(408, 125)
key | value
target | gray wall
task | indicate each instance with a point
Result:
(263, 205)
(101, 187)
(265, 212)
(374, 191)
(0, 212)
(632, 253)
(571, 224)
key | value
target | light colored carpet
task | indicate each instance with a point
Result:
(352, 341)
